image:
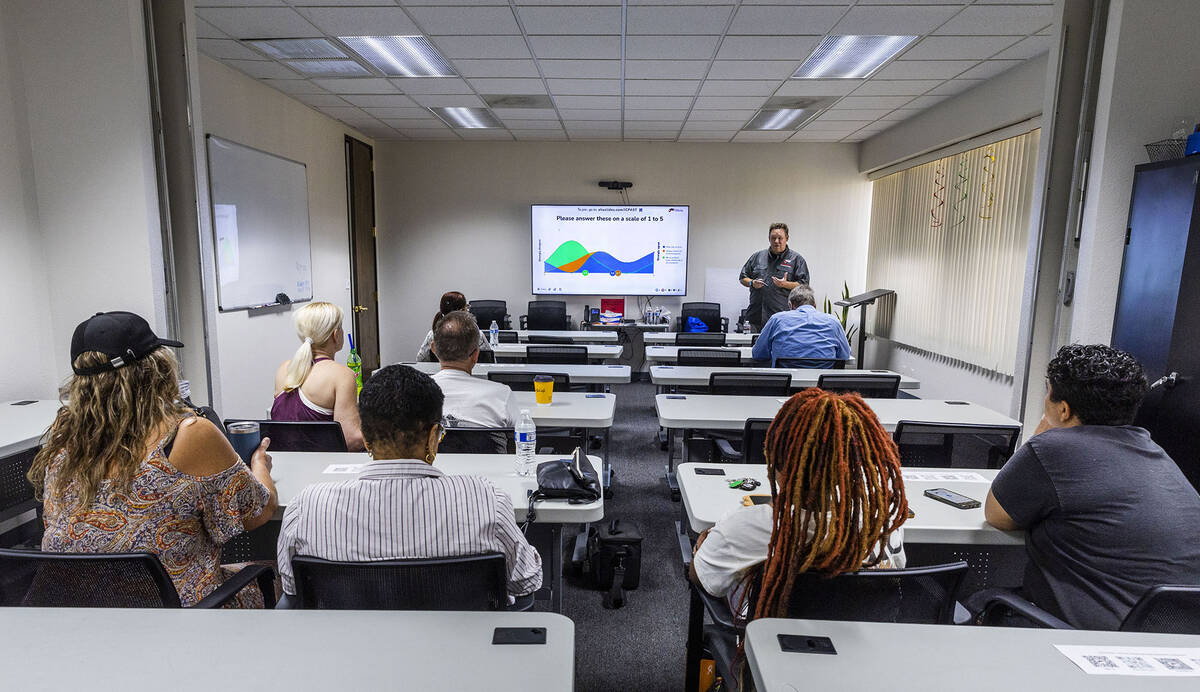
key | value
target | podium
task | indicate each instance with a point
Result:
(861, 301)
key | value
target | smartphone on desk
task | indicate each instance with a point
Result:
(952, 498)
(751, 500)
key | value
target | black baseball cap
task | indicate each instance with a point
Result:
(122, 336)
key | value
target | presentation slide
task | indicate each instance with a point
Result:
(593, 250)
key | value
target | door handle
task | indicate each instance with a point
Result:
(360, 308)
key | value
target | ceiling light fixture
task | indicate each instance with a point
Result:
(328, 68)
(781, 119)
(400, 56)
(467, 118)
(297, 48)
(851, 57)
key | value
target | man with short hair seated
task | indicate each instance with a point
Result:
(473, 401)
(802, 333)
(1107, 514)
(400, 506)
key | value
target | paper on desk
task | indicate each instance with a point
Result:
(343, 468)
(1134, 660)
(961, 476)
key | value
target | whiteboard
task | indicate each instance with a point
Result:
(721, 285)
(260, 226)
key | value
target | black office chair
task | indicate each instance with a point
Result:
(107, 580)
(955, 445)
(709, 357)
(542, 339)
(305, 436)
(523, 381)
(1170, 609)
(754, 436)
(867, 386)
(485, 311)
(488, 356)
(809, 363)
(17, 499)
(750, 383)
(507, 337)
(1003, 608)
(700, 339)
(468, 582)
(546, 315)
(556, 355)
(708, 313)
(459, 440)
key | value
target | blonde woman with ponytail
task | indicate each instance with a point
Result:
(312, 386)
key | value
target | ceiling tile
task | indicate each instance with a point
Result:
(855, 113)
(843, 126)
(465, 21)
(590, 113)
(753, 69)
(754, 47)
(926, 101)
(896, 87)
(526, 113)
(665, 69)
(206, 30)
(505, 47)
(258, 22)
(227, 48)
(656, 114)
(340, 112)
(996, 20)
(588, 101)
(496, 68)
(777, 20)
(738, 87)
(924, 69)
(653, 125)
(873, 101)
(692, 19)
(294, 86)
(602, 47)
(304, 3)
(361, 21)
(518, 124)
(763, 136)
(539, 135)
(955, 86)
(729, 102)
(571, 20)
(661, 87)
(658, 101)
(380, 100)
(1030, 47)
(449, 100)
(989, 68)
(486, 135)
(597, 87)
(429, 123)
(803, 136)
(432, 85)
(893, 21)
(818, 87)
(739, 116)
(414, 113)
(320, 99)
(959, 47)
(238, 3)
(670, 47)
(367, 85)
(902, 114)
(593, 125)
(261, 69)
(594, 136)
(705, 136)
(509, 86)
(582, 69)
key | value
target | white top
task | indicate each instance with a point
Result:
(697, 375)
(22, 426)
(295, 650)
(668, 339)
(476, 401)
(580, 374)
(876, 655)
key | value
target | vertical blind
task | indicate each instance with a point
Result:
(949, 236)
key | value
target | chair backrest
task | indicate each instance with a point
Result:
(916, 595)
(955, 445)
(700, 339)
(708, 313)
(488, 356)
(467, 582)
(303, 436)
(16, 494)
(809, 363)
(750, 383)
(754, 436)
(485, 311)
(1170, 609)
(709, 357)
(84, 580)
(523, 381)
(556, 355)
(543, 339)
(867, 386)
(478, 441)
(547, 314)
(507, 337)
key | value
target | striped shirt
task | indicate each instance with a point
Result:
(403, 508)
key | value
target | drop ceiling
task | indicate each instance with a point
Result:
(664, 70)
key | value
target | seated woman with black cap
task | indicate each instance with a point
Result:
(126, 463)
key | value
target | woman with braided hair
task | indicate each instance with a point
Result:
(838, 504)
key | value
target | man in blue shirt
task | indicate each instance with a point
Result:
(802, 332)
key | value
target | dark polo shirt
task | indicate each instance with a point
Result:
(770, 299)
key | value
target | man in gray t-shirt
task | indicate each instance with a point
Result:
(770, 275)
(1107, 513)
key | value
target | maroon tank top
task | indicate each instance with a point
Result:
(294, 406)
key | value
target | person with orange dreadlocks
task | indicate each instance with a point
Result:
(838, 504)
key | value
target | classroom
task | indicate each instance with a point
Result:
(600, 344)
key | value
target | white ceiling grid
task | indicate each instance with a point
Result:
(663, 70)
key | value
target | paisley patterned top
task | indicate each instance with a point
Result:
(183, 519)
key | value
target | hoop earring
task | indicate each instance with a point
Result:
(429, 457)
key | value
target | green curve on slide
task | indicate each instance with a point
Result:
(566, 253)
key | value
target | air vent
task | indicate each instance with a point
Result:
(517, 101)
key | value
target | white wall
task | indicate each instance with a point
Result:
(1148, 81)
(251, 345)
(455, 216)
(941, 377)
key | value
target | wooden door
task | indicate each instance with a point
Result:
(360, 185)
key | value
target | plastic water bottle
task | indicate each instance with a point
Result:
(526, 434)
(354, 362)
(494, 334)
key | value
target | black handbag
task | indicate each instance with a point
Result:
(573, 480)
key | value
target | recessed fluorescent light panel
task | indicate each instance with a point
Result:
(851, 57)
(294, 48)
(781, 119)
(328, 68)
(401, 56)
(467, 118)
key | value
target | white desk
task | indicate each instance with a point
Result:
(571, 409)
(669, 354)
(697, 375)
(594, 351)
(707, 499)
(580, 374)
(22, 426)
(299, 650)
(668, 339)
(873, 655)
(584, 336)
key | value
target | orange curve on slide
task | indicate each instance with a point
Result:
(572, 266)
